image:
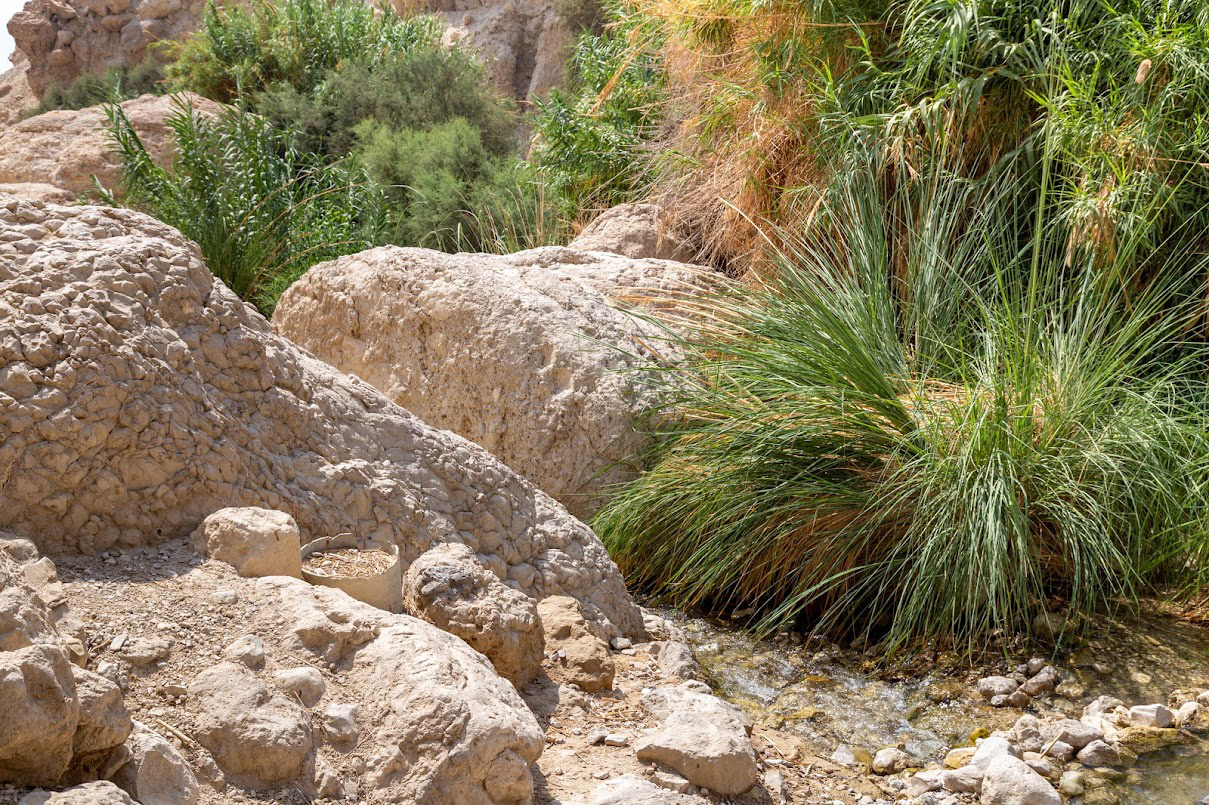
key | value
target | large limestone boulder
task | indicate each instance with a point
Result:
(60, 722)
(67, 148)
(138, 396)
(446, 729)
(62, 39)
(448, 587)
(523, 354)
(635, 230)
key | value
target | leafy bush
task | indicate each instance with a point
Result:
(418, 89)
(261, 211)
(244, 48)
(591, 144)
(448, 190)
(91, 89)
(938, 456)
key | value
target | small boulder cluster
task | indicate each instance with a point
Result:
(1030, 680)
(1042, 760)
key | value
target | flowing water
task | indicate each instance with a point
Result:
(830, 697)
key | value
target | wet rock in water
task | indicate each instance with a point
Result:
(259, 737)
(580, 657)
(1151, 715)
(1071, 783)
(156, 774)
(891, 760)
(448, 587)
(854, 756)
(1043, 682)
(256, 542)
(101, 792)
(1009, 781)
(247, 651)
(991, 686)
(1099, 753)
(306, 683)
(1140, 740)
(677, 659)
(700, 736)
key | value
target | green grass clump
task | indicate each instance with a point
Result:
(261, 211)
(935, 456)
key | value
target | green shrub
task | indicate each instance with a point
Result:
(592, 141)
(1004, 423)
(91, 89)
(244, 48)
(448, 190)
(417, 89)
(261, 211)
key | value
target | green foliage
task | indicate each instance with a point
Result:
(420, 88)
(448, 190)
(591, 145)
(261, 211)
(90, 89)
(244, 48)
(1005, 422)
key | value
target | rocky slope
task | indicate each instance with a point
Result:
(140, 395)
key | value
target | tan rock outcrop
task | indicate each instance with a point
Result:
(66, 38)
(67, 148)
(635, 230)
(448, 587)
(138, 395)
(524, 354)
(17, 97)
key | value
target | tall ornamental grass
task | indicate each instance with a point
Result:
(261, 211)
(926, 422)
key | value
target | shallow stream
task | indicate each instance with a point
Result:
(821, 693)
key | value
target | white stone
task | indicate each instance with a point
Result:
(1151, 715)
(1009, 781)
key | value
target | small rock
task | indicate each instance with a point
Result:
(1019, 699)
(1071, 783)
(677, 659)
(671, 781)
(1187, 713)
(616, 739)
(597, 735)
(775, 785)
(1076, 733)
(1010, 781)
(1043, 682)
(256, 542)
(854, 756)
(619, 643)
(890, 760)
(1151, 715)
(304, 682)
(248, 650)
(601, 775)
(956, 758)
(991, 748)
(1034, 666)
(156, 773)
(225, 597)
(340, 723)
(101, 792)
(991, 686)
(1098, 753)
